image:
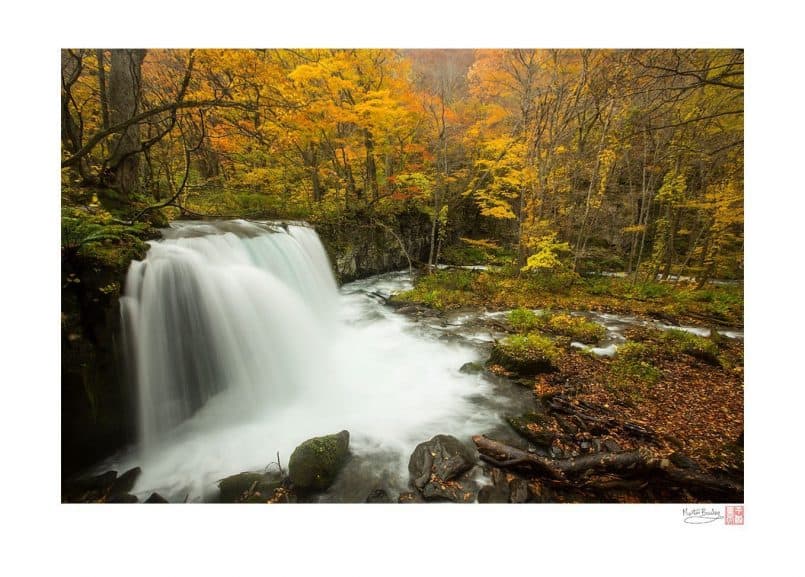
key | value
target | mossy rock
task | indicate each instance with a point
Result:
(247, 486)
(530, 427)
(471, 368)
(526, 354)
(315, 463)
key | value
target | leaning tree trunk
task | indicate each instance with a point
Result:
(124, 101)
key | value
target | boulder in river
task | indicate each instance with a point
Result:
(121, 498)
(437, 466)
(314, 464)
(471, 368)
(379, 496)
(249, 486)
(156, 498)
(526, 355)
(88, 489)
(125, 482)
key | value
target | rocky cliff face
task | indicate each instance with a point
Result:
(358, 252)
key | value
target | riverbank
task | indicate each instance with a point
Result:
(670, 394)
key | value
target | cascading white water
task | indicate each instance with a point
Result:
(233, 310)
(243, 347)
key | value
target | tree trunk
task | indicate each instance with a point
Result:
(124, 101)
(310, 156)
(104, 96)
(371, 166)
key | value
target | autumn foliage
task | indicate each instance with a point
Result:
(571, 159)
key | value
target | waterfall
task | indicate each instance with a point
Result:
(240, 346)
(225, 317)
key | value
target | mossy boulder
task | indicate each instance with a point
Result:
(314, 464)
(248, 486)
(530, 354)
(471, 368)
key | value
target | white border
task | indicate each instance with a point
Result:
(53, 538)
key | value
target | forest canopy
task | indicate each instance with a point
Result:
(627, 160)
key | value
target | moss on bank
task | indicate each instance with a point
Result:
(563, 324)
(505, 289)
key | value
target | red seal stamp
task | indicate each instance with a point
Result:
(734, 515)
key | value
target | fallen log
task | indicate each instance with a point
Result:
(639, 463)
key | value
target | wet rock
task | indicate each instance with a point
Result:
(410, 497)
(248, 486)
(315, 463)
(379, 496)
(436, 465)
(539, 493)
(471, 368)
(493, 494)
(518, 491)
(156, 498)
(499, 491)
(529, 426)
(125, 482)
(88, 489)
(121, 498)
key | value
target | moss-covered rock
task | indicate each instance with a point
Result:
(315, 463)
(704, 349)
(248, 487)
(526, 354)
(471, 368)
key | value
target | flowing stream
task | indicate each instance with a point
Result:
(241, 347)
